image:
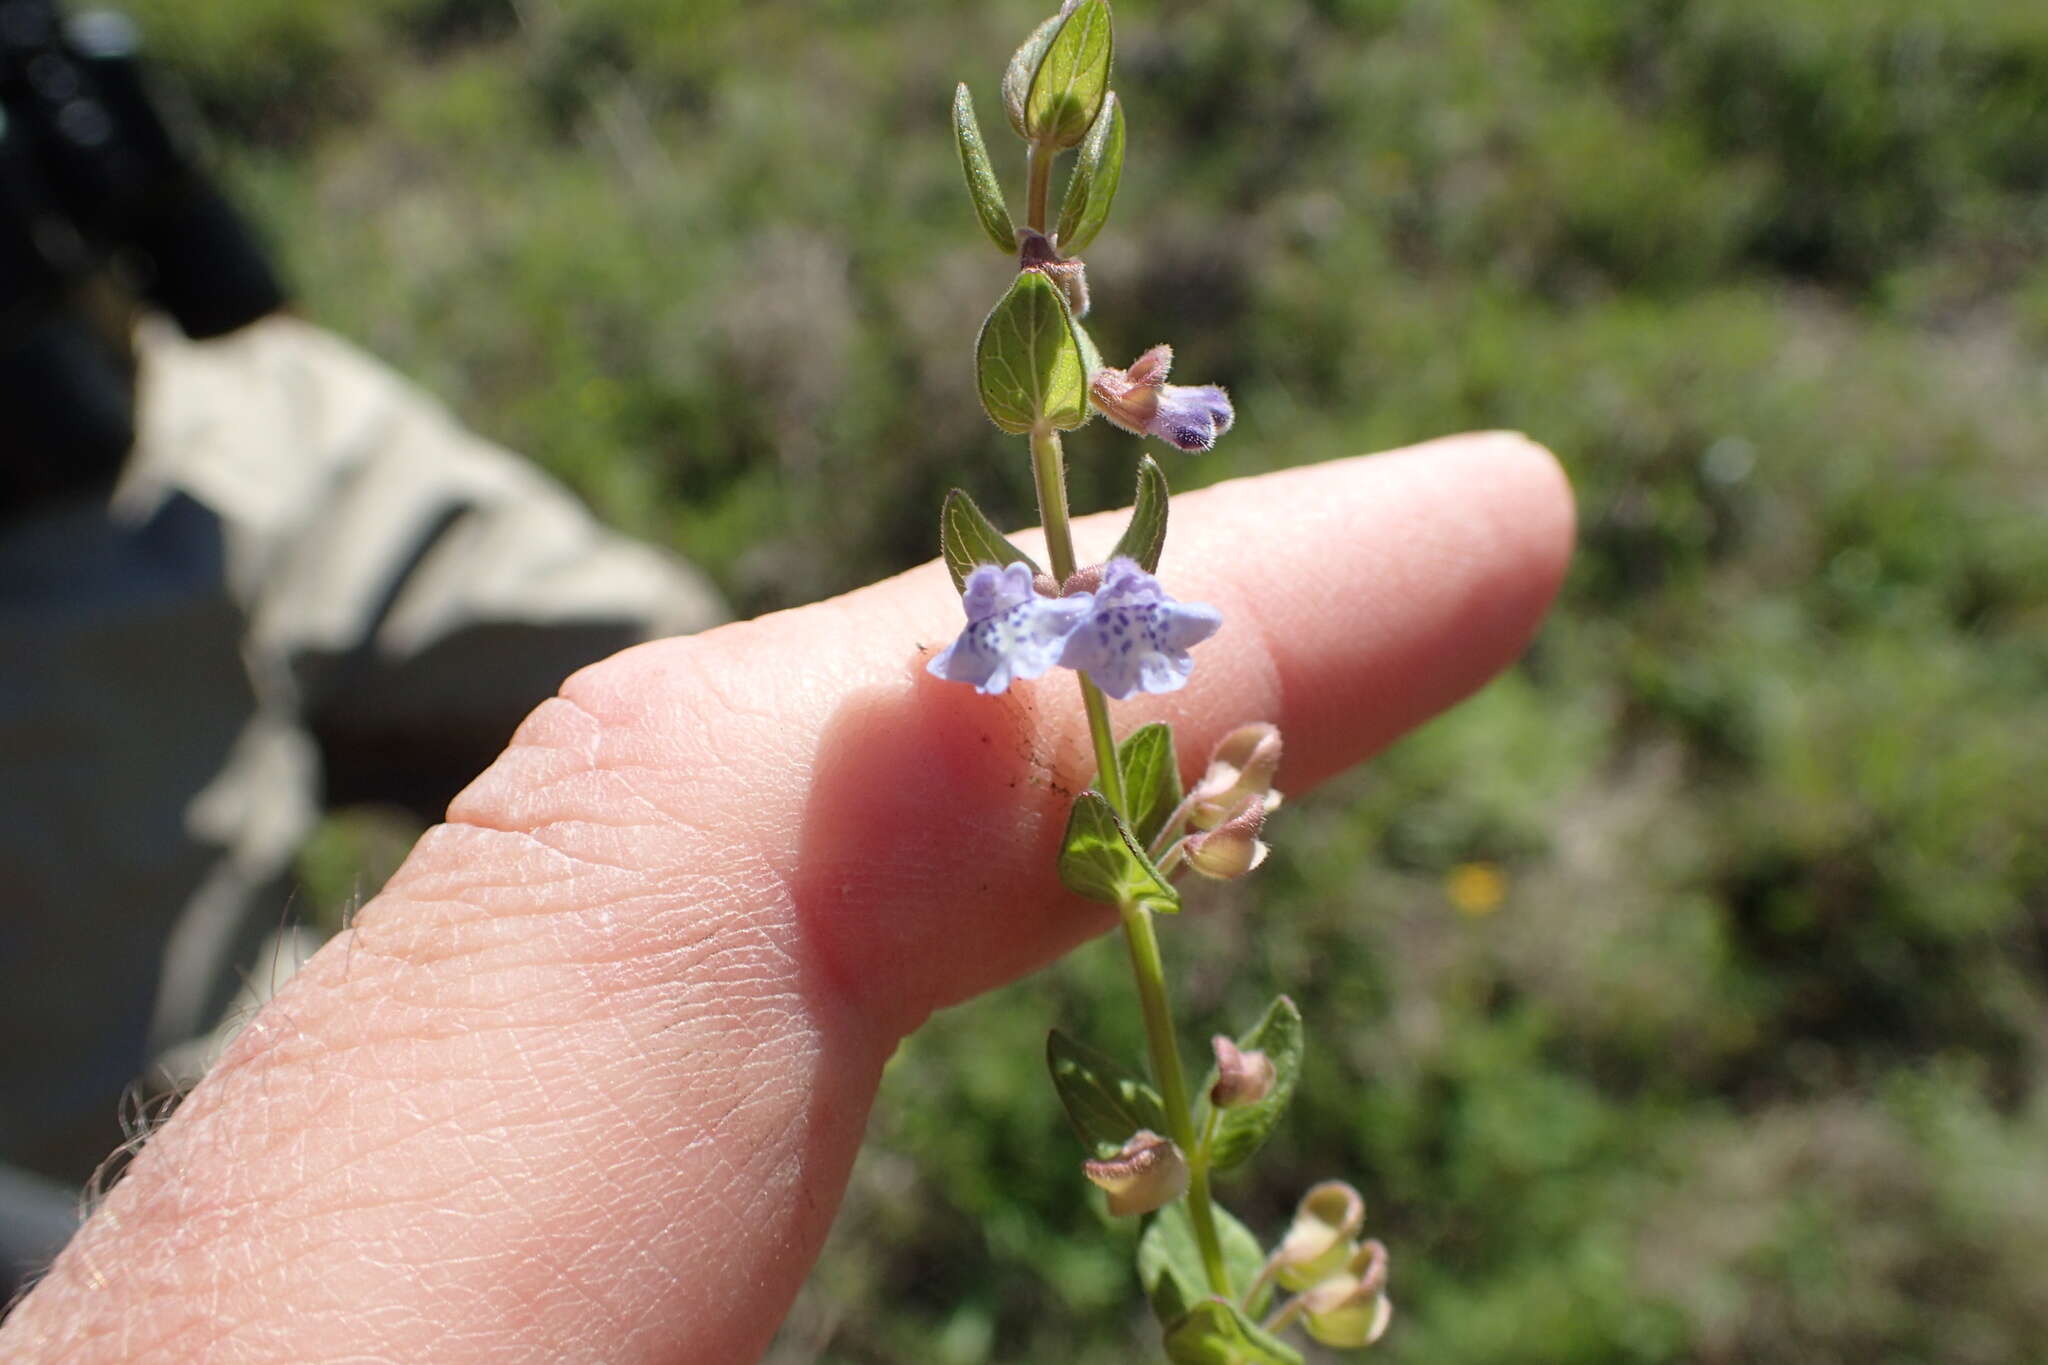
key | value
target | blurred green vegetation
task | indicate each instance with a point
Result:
(1684, 996)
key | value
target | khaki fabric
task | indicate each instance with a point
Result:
(309, 578)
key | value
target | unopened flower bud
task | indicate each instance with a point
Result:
(1087, 579)
(1231, 849)
(1322, 1237)
(1141, 402)
(1241, 1077)
(1241, 768)
(1351, 1307)
(1149, 1173)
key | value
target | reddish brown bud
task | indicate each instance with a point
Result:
(1130, 398)
(1149, 1173)
(1241, 1077)
(1083, 580)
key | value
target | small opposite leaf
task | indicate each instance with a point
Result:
(1105, 1100)
(967, 538)
(1145, 537)
(1101, 859)
(1072, 80)
(1170, 1261)
(1219, 1333)
(1091, 188)
(1024, 64)
(982, 185)
(1151, 774)
(1240, 1132)
(1027, 361)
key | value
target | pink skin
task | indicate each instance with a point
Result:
(585, 1082)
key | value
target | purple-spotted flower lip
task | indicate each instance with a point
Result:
(1135, 638)
(1012, 633)
(1189, 417)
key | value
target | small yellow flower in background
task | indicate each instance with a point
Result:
(1476, 889)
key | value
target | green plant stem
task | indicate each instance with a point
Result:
(1038, 160)
(1283, 1317)
(1149, 969)
(1049, 470)
(1048, 467)
(1110, 776)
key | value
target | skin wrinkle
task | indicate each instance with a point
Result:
(738, 1104)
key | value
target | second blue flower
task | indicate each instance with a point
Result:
(1135, 638)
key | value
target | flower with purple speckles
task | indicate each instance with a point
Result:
(1012, 633)
(1191, 417)
(1140, 401)
(1136, 638)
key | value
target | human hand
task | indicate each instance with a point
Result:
(586, 1080)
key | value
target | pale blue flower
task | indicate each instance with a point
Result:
(1135, 638)
(1012, 633)
(1191, 417)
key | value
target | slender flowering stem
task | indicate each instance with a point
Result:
(1123, 634)
(1048, 466)
(1150, 971)
(1260, 1280)
(1111, 779)
(1049, 469)
(1038, 159)
(1283, 1316)
(1170, 831)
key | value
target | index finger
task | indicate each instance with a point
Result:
(585, 1081)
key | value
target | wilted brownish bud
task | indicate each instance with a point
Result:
(1035, 251)
(1130, 398)
(1351, 1308)
(1189, 416)
(1242, 767)
(1241, 1077)
(1149, 1173)
(1321, 1239)
(1231, 849)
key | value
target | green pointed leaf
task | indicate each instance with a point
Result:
(1101, 859)
(1072, 80)
(1151, 774)
(1219, 1333)
(1027, 360)
(1091, 187)
(967, 538)
(1105, 1100)
(1023, 67)
(982, 185)
(1145, 537)
(1241, 1131)
(1170, 1261)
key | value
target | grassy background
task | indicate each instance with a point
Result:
(1683, 997)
